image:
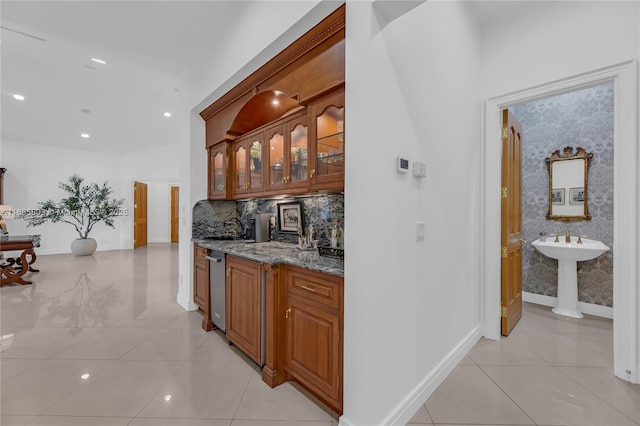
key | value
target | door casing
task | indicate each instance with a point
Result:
(626, 274)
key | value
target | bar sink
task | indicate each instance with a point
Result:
(567, 255)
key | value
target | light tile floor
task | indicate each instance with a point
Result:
(100, 340)
(551, 370)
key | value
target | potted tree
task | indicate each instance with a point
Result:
(85, 206)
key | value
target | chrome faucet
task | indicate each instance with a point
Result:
(567, 237)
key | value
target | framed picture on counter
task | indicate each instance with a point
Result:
(290, 217)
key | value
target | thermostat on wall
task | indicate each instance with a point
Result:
(403, 165)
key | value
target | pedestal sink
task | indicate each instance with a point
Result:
(567, 255)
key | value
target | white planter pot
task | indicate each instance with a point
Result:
(83, 246)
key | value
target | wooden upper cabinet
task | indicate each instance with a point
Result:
(327, 143)
(295, 104)
(275, 164)
(247, 156)
(217, 171)
(287, 154)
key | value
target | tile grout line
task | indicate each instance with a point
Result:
(77, 387)
(504, 392)
(558, 368)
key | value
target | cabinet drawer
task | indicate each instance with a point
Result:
(200, 251)
(322, 288)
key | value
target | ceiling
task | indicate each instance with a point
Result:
(149, 47)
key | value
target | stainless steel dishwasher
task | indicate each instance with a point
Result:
(218, 290)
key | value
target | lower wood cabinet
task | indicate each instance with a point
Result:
(201, 284)
(314, 344)
(244, 306)
(200, 277)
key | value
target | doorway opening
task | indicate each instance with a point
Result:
(626, 333)
(582, 118)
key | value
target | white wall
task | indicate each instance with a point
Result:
(412, 90)
(555, 43)
(33, 173)
(544, 43)
(159, 168)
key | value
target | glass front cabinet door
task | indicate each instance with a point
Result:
(217, 188)
(247, 164)
(327, 161)
(276, 160)
(287, 154)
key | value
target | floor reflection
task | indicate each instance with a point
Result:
(20, 311)
(83, 305)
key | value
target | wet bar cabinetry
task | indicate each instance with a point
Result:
(247, 156)
(314, 340)
(287, 154)
(327, 128)
(293, 107)
(244, 306)
(201, 284)
(281, 132)
(298, 154)
(217, 171)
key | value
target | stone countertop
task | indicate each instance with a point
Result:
(274, 253)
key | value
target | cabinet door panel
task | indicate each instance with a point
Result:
(255, 165)
(218, 171)
(297, 132)
(240, 170)
(201, 278)
(244, 324)
(314, 353)
(276, 154)
(327, 162)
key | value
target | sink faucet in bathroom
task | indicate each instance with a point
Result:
(567, 237)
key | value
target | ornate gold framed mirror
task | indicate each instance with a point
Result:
(568, 184)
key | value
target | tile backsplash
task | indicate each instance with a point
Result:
(214, 218)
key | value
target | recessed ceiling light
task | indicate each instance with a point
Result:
(85, 135)
(85, 376)
(100, 61)
(275, 102)
(18, 97)
(167, 114)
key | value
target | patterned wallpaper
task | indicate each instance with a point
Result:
(582, 118)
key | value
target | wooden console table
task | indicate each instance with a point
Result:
(13, 268)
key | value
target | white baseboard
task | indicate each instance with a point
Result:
(585, 308)
(187, 304)
(403, 412)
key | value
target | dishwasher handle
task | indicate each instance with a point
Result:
(213, 259)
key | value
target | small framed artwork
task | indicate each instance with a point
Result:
(290, 217)
(557, 196)
(576, 195)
